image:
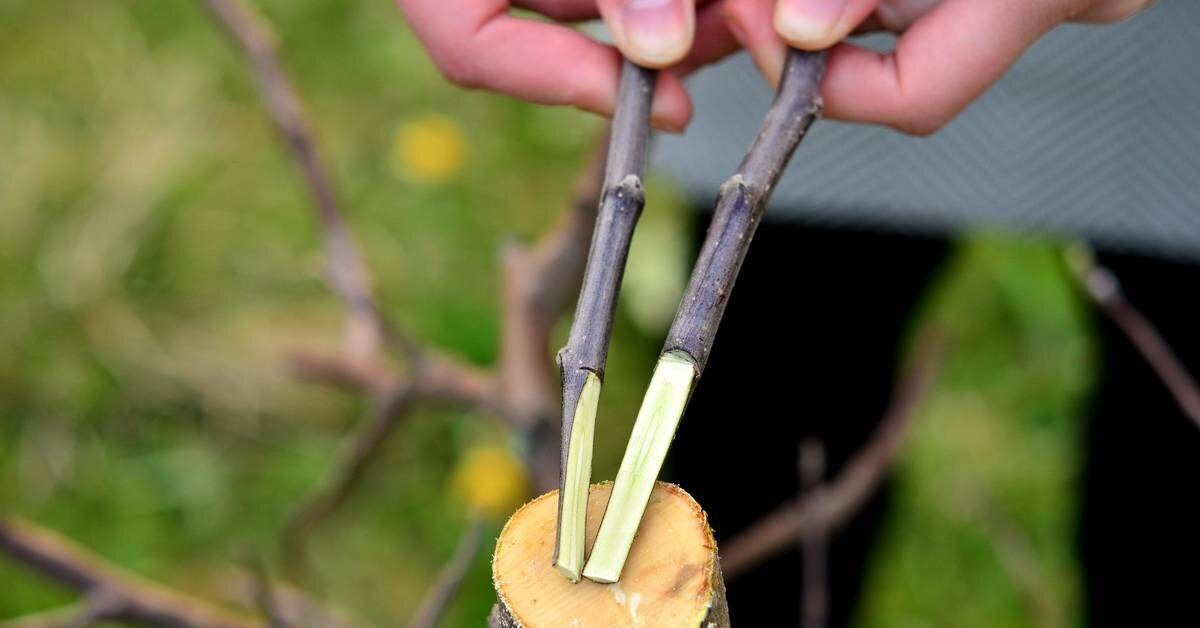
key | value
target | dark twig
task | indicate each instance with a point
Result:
(740, 206)
(814, 548)
(451, 577)
(111, 593)
(621, 205)
(1104, 289)
(829, 507)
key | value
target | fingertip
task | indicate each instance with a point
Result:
(809, 24)
(750, 23)
(652, 33)
(820, 24)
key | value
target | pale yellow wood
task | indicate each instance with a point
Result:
(671, 578)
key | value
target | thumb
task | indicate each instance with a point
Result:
(651, 33)
(819, 24)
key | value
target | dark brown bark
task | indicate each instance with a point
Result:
(620, 207)
(741, 203)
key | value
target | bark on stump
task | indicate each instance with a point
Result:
(671, 579)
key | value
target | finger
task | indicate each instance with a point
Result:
(652, 33)
(561, 10)
(819, 24)
(480, 46)
(942, 63)
(750, 21)
(714, 40)
(1111, 11)
(897, 15)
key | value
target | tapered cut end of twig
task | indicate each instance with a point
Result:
(671, 581)
(571, 527)
(665, 400)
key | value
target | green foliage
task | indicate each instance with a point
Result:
(158, 261)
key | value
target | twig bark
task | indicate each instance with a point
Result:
(110, 593)
(620, 206)
(450, 580)
(829, 507)
(586, 351)
(1104, 289)
(740, 206)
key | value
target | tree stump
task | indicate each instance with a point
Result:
(671, 579)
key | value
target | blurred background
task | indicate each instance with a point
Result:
(159, 261)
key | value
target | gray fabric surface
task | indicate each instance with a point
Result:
(1095, 133)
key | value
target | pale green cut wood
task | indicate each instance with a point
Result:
(653, 431)
(569, 561)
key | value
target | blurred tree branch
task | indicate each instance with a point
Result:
(1104, 289)
(448, 582)
(814, 547)
(537, 284)
(110, 593)
(827, 507)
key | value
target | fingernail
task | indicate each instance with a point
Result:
(808, 21)
(658, 33)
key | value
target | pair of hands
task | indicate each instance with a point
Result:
(948, 52)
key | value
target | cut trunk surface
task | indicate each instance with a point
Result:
(671, 578)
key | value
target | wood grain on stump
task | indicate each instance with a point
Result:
(671, 578)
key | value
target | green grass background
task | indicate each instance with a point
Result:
(158, 260)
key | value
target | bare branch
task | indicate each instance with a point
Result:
(451, 577)
(264, 594)
(111, 593)
(291, 605)
(359, 449)
(80, 615)
(1019, 560)
(366, 329)
(831, 506)
(740, 206)
(814, 548)
(537, 282)
(1104, 289)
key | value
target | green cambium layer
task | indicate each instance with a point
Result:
(653, 431)
(578, 478)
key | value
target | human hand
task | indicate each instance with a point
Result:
(948, 53)
(478, 44)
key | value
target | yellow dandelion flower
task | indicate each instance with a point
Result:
(492, 480)
(429, 148)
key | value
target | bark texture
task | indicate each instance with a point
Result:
(741, 203)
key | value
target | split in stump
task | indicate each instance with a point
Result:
(671, 579)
